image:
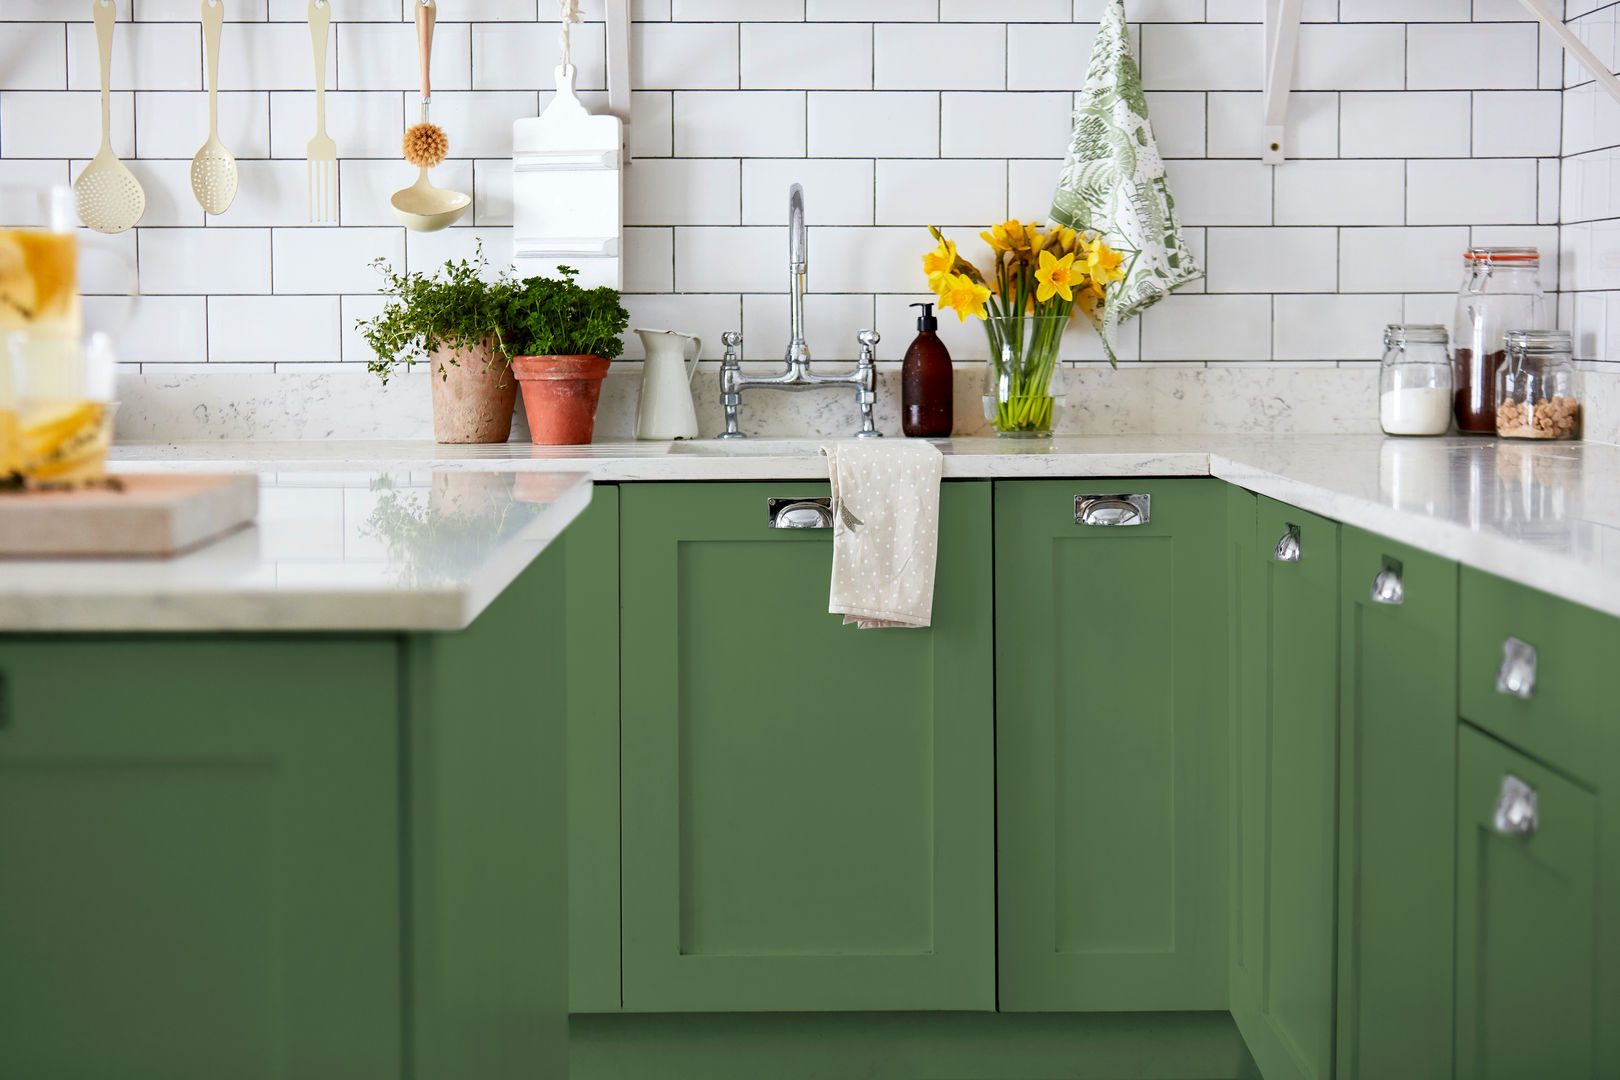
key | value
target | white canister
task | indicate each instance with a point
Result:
(1414, 383)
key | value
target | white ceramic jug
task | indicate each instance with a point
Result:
(665, 410)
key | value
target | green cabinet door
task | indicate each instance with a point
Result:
(1111, 749)
(807, 807)
(1285, 793)
(199, 844)
(1527, 918)
(1397, 723)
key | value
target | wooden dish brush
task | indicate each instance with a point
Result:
(422, 206)
(425, 144)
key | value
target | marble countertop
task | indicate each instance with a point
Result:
(417, 536)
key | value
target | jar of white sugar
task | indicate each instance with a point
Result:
(1414, 384)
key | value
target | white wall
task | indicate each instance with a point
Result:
(1421, 126)
(1589, 206)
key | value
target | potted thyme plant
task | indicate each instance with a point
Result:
(452, 320)
(562, 338)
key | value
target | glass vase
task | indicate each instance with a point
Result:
(1018, 397)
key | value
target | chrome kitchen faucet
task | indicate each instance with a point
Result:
(797, 374)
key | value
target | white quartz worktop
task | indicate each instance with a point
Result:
(330, 552)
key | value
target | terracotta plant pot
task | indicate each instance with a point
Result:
(560, 395)
(473, 400)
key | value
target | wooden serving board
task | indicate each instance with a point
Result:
(154, 515)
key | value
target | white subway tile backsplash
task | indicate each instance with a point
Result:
(34, 57)
(1030, 186)
(1366, 192)
(968, 56)
(1347, 327)
(806, 56)
(831, 321)
(736, 124)
(1351, 57)
(649, 260)
(364, 188)
(169, 199)
(525, 56)
(427, 252)
(1404, 125)
(1236, 122)
(1474, 191)
(878, 260)
(253, 329)
(1479, 56)
(492, 192)
(369, 56)
(1201, 57)
(161, 329)
(267, 193)
(836, 191)
(1273, 260)
(317, 260)
(42, 124)
(1404, 11)
(737, 10)
(145, 56)
(880, 123)
(736, 260)
(175, 124)
(943, 192)
(364, 124)
(683, 191)
(1182, 327)
(861, 10)
(1381, 260)
(204, 261)
(1010, 125)
(1033, 54)
(1221, 192)
(706, 316)
(1517, 123)
(478, 124)
(1180, 121)
(276, 56)
(683, 56)
(1044, 11)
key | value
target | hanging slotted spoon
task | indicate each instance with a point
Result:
(110, 198)
(213, 170)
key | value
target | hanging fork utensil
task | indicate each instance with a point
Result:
(321, 153)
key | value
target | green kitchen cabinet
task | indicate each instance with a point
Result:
(1397, 719)
(1111, 741)
(1285, 790)
(807, 807)
(200, 851)
(1529, 945)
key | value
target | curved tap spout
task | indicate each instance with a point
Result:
(798, 351)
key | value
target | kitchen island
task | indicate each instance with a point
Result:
(1197, 808)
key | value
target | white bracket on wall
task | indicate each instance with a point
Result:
(618, 66)
(1282, 42)
(1577, 48)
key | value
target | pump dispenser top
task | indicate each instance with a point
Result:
(927, 321)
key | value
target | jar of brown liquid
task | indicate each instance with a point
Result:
(1501, 291)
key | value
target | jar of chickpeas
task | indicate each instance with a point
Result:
(1535, 387)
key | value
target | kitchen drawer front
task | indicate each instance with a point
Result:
(1564, 716)
(807, 807)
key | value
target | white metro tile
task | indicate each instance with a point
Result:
(175, 124)
(1366, 192)
(29, 174)
(806, 56)
(323, 260)
(737, 10)
(1244, 11)
(831, 321)
(277, 56)
(365, 187)
(739, 124)
(479, 123)
(492, 192)
(968, 56)
(880, 123)
(1236, 124)
(1548, 172)
(427, 252)
(943, 192)
(1429, 309)
(1418, 125)
(1010, 125)
(683, 56)
(525, 57)
(1010, 10)
(836, 191)
(861, 10)
(1272, 260)
(184, 11)
(878, 260)
(161, 329)
(1035, 55)
(1201, 57)
(1408, 260)
(683, 191)
(268, 193)
(1221, 192)
(145, 56)
(1480, 56)
(1030, 186)
(1515, 123)
(169, 199)
(105, 262)
(652, 123)
(254, 329)
(649, 260)
(733, 260)
(352, 341)
(204, 261)
(706, 316)
(362, 124)
(1332, 327)
(1191, 327)
(1499, 191)
(35, 57)
(48, 124)
(1179, 121)
(1399, 11)
(1351, 57)
(380, 56)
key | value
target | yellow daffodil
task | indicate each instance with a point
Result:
(940, 261)
(962, 295)
(1103, 263)
(1057, 277)
(1013, 236)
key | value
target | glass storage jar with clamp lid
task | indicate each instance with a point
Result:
(1535, 387)
(1501, 291)
(1414, 382)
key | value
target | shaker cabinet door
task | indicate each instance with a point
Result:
(1398, 710)
(1285, 792)
(807, 806)
(1111, 741)
(1529, 959)
(199, 844)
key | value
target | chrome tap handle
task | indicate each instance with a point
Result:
(730, 393)
(866, 382)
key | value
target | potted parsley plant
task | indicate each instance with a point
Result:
(562, 338)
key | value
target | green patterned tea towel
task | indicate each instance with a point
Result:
(1113, 183)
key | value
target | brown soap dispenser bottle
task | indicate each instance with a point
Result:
(926, 388)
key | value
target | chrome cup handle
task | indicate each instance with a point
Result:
(1515, 813)
(1288, 547)
(1517, 675)
(1387, 587)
